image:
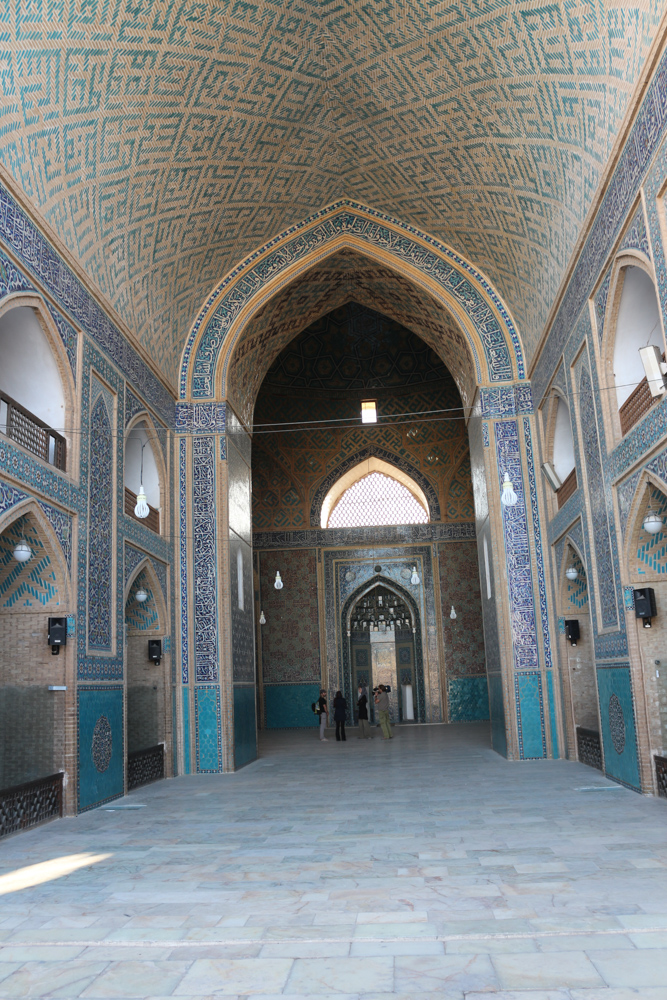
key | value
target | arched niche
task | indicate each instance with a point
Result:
(361, 471)
(36, 687)
(36, 374)
(216, 340)
(633, 321)
(141, 441)
(148, 688)
(579, 660)
(560, 446)
(646, 554)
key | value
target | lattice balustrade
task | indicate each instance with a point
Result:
(153, 519)
(589, 748)
(144, 766)
(34, 802)
(567, 488)
(661, 775)
(31, 433)
(637, 405)
(374, 500)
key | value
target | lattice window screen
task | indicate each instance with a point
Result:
(376, 499)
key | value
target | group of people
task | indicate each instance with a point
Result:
(381, 699)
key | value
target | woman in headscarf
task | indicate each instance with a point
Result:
(362, 709)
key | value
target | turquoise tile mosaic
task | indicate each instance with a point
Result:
(141, 616)
(187, 768)
(530, 715)
(30, 584)
(287, 706)
(245, 724)
(617, 718)
(208, 747)
(100, 745)
(497, 713)
(551, 695)
(652, 549)
(468, 699)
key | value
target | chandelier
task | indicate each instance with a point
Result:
(380, 611)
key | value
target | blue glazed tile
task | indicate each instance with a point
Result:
(530, 714)
(617, 717)
(100, 745)
(186, 731)
(208, 747)
(245, 725)
(287, 706)
(468, 699)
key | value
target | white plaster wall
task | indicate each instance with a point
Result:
(563, 444)
(28, 369)
(140, 435)
(638, 325)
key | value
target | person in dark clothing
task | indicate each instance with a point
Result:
(362, 708)
(340, 708)
(323, 712)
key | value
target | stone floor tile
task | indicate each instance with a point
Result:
(488, 946)
(340, 975)
(381, 931)
(393, 917)
(136, 979)
(224, 977)
(585, 942)
(645, 967)
(305, 949)
(52, 979)
(546, 971)
(448, 973)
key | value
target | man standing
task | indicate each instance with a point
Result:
(382, 702)
(323, 713)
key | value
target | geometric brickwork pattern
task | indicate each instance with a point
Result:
(31, 584)
(376, 499)
(290, 638)
(164, 142)
(291, 469)
(141, 616)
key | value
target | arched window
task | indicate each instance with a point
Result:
(377, 499)
(637, 325)
(32, 398)
(563, 452)
(141, 469)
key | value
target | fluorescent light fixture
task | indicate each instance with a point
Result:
(655, 369)
(369, 413)
(551, 476)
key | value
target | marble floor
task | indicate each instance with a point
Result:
(425, 867)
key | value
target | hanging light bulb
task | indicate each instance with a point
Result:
(262, 618)
(452, 613)
(652, 523)
(414, 579)
(278, 583)
(22, 552)
(141, 595)
(571, 572)
(141, 507)
(508, 497)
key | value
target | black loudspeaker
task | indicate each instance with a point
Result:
(155, 651)
(57, 634)
(645, 605)
(572, 631)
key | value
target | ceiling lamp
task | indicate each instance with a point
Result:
(262, 618)
(369, 413)
(141, 507)
(452, 613)
(22, 552)
(141, 595)
(652, 523)
(278, 582)
(508, 497)
(414, 579)
(571, 572)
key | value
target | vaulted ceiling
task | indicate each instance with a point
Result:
(164, 141)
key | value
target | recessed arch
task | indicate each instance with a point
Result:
(427, 494)
(450, 279)
(360, 471)
(145, 432)
(145, 569)
(30, 508)
(651, 490)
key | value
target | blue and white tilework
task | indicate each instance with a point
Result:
(100, 552)
(205, 568)
(183, 551)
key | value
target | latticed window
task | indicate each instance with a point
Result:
(376, 499)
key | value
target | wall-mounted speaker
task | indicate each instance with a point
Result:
(645, 605)
(57, 634)
(155, 651)
(572, 631)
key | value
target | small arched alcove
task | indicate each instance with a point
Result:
(634, 323)
(34, 683)
(143, 469)
(381, 643)
(148, 713)
(36, 391)
(579, 655)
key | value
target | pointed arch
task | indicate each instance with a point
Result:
(146, 568)
(360, 471)
(637, 540)
(573, 591)
(399, 468)
(145, 417)
(365, 588)
(31, 508)
(428, 264)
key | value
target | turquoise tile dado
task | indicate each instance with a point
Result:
(245, 724)
(468, 699)
(208, 747)
(530, 715)
(287, 706)
(186, 731)
(101, 745)
(617, 718)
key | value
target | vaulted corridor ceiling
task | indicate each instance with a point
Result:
(164, 141)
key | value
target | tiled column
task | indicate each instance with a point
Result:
(524, 678)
